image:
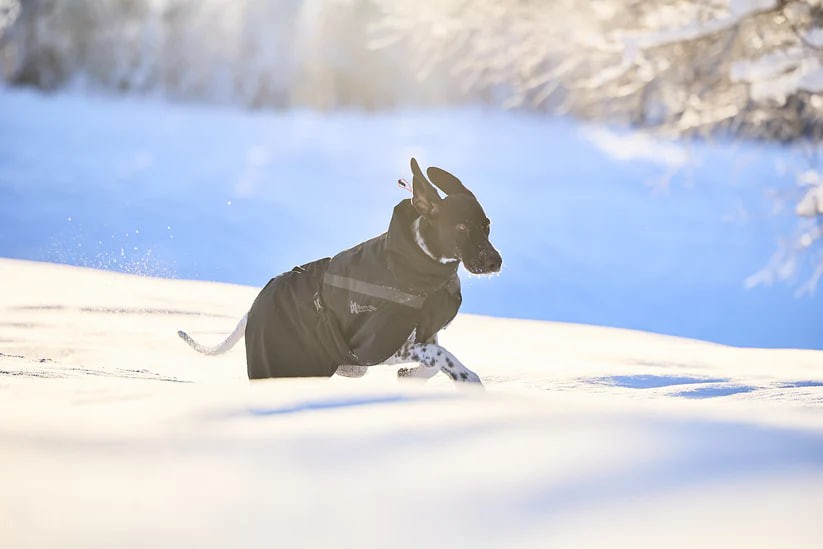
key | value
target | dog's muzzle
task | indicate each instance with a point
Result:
(488, 261)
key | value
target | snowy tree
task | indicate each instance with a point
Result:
(210, 50)
(253, 52)
(749, 67)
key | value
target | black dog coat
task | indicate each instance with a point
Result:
(358, 307)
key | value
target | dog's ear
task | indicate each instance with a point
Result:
(425, 198)
(447, 182)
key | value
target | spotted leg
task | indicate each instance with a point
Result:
(432, 359)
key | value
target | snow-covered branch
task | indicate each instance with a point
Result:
(9, 11)
(660, 34)
(811, 205)
(750, 67)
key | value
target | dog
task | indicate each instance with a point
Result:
(380, 302)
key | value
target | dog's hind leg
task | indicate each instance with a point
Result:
(432, 359)
(351, 370)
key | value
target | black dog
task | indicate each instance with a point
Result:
(381, 302)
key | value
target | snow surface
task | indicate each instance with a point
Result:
(116, 434)
(595, 226)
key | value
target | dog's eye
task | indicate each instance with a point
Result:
(461, 227)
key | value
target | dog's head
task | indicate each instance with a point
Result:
(457, 226)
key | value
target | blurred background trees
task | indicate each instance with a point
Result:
(732, 68)
(258, 53)
(741, 67)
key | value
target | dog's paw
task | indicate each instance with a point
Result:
(352, 371)
(418, 372)
(466, 376)
(421, 373)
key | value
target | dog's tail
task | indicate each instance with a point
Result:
(220, 348)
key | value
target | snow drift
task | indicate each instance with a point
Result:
(115, 433)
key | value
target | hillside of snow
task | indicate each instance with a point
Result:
(595, 226)
(115, 434)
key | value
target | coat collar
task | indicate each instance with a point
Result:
(408, 263)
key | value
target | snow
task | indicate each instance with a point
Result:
(814, 37)
(811, 204)
(115, 433)
(595, 225)
(780, 74)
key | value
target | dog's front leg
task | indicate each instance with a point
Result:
(404, 355)
(432, 359)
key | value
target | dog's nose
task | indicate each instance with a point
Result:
(493, 263)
